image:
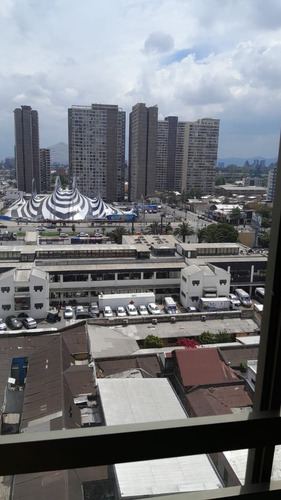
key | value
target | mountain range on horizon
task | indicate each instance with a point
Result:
(241, 161)
(59, 155)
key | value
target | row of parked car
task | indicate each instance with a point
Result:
(17, 322)
(93, 311)
(132, 310)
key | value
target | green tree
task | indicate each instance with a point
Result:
(263, 240)
(117, 234)
(235, 215)
(184, 230)
(153, 341)
(218, 233)
(206, 338)
(220, 180)
(154, 228)
(73, 228)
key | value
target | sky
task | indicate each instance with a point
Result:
(192, 58)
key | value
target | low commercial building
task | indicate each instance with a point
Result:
(24, 290)
(203, 280)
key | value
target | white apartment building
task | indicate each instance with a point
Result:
(97, 150)
(203, 280)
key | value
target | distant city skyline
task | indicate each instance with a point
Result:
(192, 59)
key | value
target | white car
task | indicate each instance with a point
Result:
(82, 235)
(3, 325)
(68, 312)
(131, 310)
(153, 308)
(234, 302)
(79, 309)
(107, 312)
(143, 310)
(120, 311)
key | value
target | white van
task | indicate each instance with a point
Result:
(244, 297)
(170, 306)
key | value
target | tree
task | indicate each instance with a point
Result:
(184, 230)
(263, 240)
(218, 233)
(73, 228)
(207, 338)
(153, 341)
(155, 228)
(235, 215)
(117, 234)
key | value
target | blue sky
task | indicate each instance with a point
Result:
(193, 58)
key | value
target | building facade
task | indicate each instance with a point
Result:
(200, 155)
(142, 151)
(271, 183)
(27, 148)
(187, 155)
(170, 154)
(97, 150)
(45, 170)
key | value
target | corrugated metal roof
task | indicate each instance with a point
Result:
(203, 366)
(217, 400)
(148, 400)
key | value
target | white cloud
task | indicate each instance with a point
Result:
(192, 59)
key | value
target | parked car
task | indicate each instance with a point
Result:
(68, 312)
(40, 228)
(82, 235)
(153, 308)
(107, 312)
(3, 226)
(22, 315)
(131, 310)
(29, 323)
(121, 311)
(94, 308)
(84, 315)
(234, 301)
(191, 309)
(143, 310)
(53, 317)
(79, 309)
(13, 323)
(3, 325)
(51, 226)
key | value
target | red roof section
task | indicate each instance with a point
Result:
(203, 367)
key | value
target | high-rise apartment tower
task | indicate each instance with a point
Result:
(97, 150)
(142, 151)
(27, 148)
(187, 155)
(201, 153)
(45, 170)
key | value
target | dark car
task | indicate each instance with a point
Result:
(94, 308)
(84, 315)
(53, 317)
(13, 323)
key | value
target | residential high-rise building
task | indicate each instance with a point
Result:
(27, 148)
(187, 155)
(97, 150)
(271, 181)
(142, 151)
(45, 170)
(170, 154)
(200, 155)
